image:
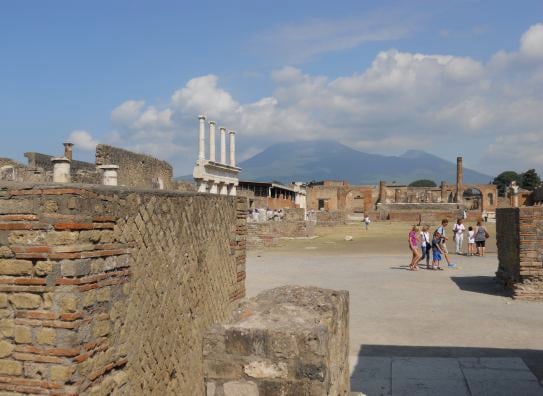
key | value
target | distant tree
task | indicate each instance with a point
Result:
(423, 183)
(504, 179)
(529, 179)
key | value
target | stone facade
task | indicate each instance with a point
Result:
(109, 290)
(290, 341)
(519, 233)
(136, 170)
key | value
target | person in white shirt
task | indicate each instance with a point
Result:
(425, 245)
(458, 231)
(471, 241)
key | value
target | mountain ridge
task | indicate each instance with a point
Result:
(328, 159)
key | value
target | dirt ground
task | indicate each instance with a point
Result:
(383, 238)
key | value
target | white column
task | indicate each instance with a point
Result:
(61, 170)
(212, 141)
(202, 186)
(232, 148)
(109, 175)
(202, 138)
(214, 188)
(223, 145)
(223, 189)
(232, 191)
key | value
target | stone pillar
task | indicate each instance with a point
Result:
(232, 190)
(397, 196)
(223, 145)
(223, 189)
(213, 188)
(459, 180)
(382, 192)
(109, 175)
(232, 148)
(202, 186)
(443, 192)
(202, 138)
(212, 141)
(61, 170)
(68, 150)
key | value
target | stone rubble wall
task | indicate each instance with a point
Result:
(288, 341)
(136, 170)
(269, 233)
(519, 233)
(109, 290)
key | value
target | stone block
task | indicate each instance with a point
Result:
(240, 388)
(7, 327)
(43, 268)
(10, 367)
(61, 373)
(68, 303)
(290, 340)
(15, 267)
(46, 336)
(23, 334)
(25, 300)
(3, 300)
(6, 348)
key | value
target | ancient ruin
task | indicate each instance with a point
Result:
(212, 176)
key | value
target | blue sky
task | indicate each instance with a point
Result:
(450, 77)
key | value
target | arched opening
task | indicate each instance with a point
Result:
(490, 199)
(473, 199)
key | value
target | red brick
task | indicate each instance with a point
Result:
(104, 219)
(73, 226)
(61, 191)
(36, 358)
(18, 217)
(30, 249)
(71, 316)
(15, 226)
(42, 315)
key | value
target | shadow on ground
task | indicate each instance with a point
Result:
(480, 284)
(414, 370)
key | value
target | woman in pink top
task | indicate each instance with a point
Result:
(413, 242)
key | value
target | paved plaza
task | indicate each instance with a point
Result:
(451, 332)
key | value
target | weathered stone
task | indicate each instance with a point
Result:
(23, 335)
(10, 367)
(103, 294)
(6, 252)
(75, 267)
(101, 328)
(43, 268)
(3, 300)
(7, 327)
(61, 373)
(26, 237)
(12, 206)
(45, 336)
(240, 388)
(266, 369)
(25, 300)
(61, 237)
(6, 348)
(68, 303)
(15, 267)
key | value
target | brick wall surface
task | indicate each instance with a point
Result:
(109, 290)
(290, 341)
(519, 233)
(269, 233)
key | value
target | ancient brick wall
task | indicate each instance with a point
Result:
(136, 170)
(269, 233)
(289, 341)
(519, 233)
(108, 289)
(330, 218)
(38, 160)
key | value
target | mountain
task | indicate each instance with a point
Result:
(323, 159)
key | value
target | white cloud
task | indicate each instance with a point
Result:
(399, 101)
(531, 42)
(82, 140)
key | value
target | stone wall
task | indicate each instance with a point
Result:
(519, 233)
(38, 160)
(287, 341)
(330, 218)
(110, 290)
(136, 170)
(269, 233)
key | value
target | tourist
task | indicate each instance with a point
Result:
(367, 221)
(464, 214)
(436, 251)
(443, 242)
(481, 235)
(425, 245)
(471, 241)
(412, 240)
(458, 237)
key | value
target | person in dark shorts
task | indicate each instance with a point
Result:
(481, 235)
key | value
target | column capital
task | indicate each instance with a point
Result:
(201, 117)
(232, 132)
(222, 128)
(212, 123)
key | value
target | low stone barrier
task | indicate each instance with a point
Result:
(286, 341)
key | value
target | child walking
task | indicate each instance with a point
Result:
(471, 241)
(436, 251)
